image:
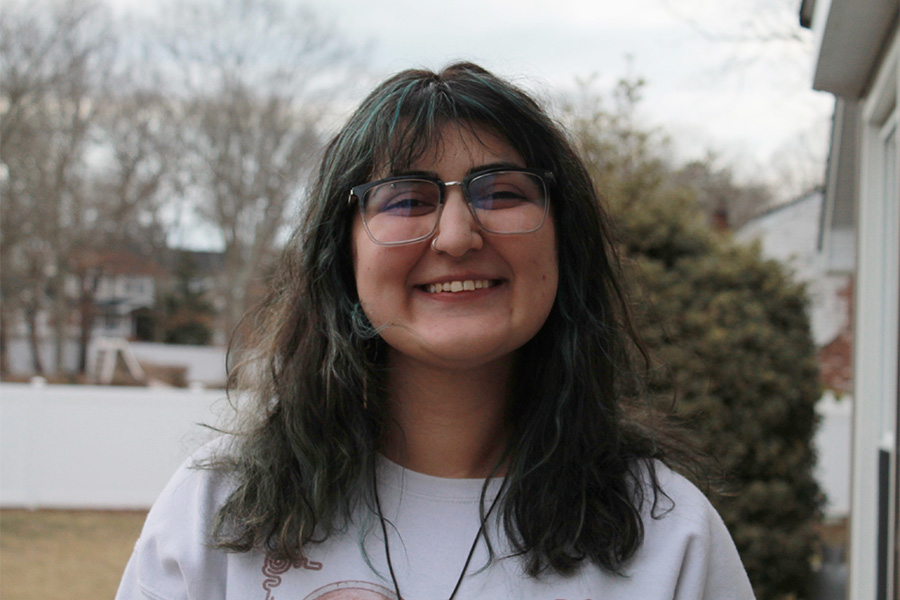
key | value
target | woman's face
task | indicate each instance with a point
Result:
(397, 285)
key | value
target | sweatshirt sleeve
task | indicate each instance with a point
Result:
(711, 568)
(172, 559)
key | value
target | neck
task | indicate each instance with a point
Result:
(447, 423)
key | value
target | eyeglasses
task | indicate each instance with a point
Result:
(407, 208)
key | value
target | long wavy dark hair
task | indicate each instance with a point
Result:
(303, 456)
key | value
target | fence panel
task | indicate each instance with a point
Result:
(98, 447)
(116, 447)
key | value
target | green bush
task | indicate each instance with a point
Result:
(729, 335)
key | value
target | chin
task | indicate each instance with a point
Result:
(467, 354)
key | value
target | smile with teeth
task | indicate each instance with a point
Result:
(459, 286)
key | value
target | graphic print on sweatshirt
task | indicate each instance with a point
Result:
(274, 568)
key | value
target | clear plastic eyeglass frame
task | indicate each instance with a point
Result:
(358, 194)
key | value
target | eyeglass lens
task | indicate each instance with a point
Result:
(408, 209)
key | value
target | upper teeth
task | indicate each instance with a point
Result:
(459, 286)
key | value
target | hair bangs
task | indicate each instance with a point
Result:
(424, 106)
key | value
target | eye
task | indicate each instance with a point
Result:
(403, 199)
(504, 190)
(500, 197)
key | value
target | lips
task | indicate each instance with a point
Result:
(459, 285)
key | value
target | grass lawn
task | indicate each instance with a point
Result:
(77, 555)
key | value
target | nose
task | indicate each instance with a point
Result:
(457, 231)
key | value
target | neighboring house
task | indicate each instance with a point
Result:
(123, 287)
(203, 273)
(858, 60)
(126, 288)
(126, 296)
(791, 233)
(204, 268)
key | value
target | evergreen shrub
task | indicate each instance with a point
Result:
(730, 336)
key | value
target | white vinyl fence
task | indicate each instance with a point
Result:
(98, 447)
(115, 448)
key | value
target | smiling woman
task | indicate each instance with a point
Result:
(445, 403)
(415, 295)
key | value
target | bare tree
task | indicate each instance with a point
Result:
(54, 58)
(630, 160)
(256, 77)
(621, 151)
(726, 202)
(139, 137)
(138, 141)
(798, 165)
(765, 37)
(88, 145)
(92, 148)
(750, 33)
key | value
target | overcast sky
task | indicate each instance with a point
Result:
(731, 77)
(711, 83)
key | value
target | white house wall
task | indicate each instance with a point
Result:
(878, 294)
(790, 235)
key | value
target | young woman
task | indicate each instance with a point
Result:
(439, 403)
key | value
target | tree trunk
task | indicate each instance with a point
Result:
(87, 315)
(60, 322)
(4, 340)
(31, 321)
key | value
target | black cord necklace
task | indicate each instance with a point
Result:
(387, 547)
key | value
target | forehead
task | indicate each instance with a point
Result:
(455, 143)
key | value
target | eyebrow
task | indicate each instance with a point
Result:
(479, 168)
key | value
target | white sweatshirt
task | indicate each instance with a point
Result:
(687, 553)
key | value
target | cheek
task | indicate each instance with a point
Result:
(363, 272)
(380, 274)
(550, 276)
(542, 282)
(550, 285)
